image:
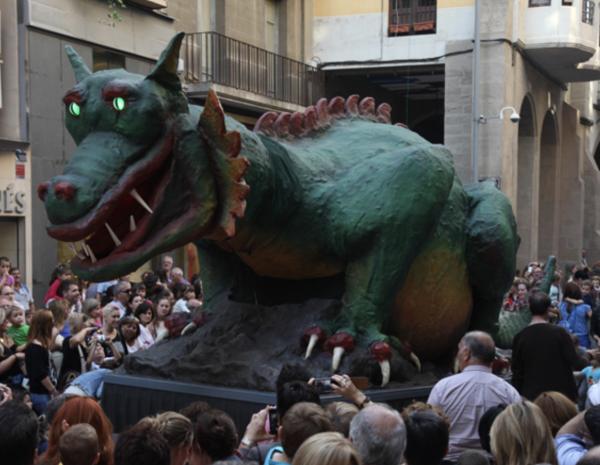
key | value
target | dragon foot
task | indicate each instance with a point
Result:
(338, 344)
(197, 321)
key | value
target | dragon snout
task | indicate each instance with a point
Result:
(66, 198)
(63, 190)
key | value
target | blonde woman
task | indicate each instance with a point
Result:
(178, 432)
(109, 337)
(326, 449)
(520, 435)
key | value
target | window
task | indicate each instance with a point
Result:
(540, 3)
(587, 15)
(412, 17)
(103, 59)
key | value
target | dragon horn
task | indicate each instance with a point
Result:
(80, 69)
(165, 71)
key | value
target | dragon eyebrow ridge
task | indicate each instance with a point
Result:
(74, 95)
(112, 90)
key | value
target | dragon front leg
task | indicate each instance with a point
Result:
(367, 303)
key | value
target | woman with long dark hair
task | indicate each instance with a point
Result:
(39, 364)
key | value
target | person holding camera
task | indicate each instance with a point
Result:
(75, 348)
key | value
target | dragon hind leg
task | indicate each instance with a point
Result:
(492, 244)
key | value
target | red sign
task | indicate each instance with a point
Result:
(20, 170)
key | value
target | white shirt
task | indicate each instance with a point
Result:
(465, 397)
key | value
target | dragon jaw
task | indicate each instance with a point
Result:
(134, 219)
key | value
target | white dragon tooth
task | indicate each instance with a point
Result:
(413, 358)
(90, 253)
(312, 342)
(112, 235)
(337, 358)
(141, 201)
(385, 372)
(84, 247)
(132, 226)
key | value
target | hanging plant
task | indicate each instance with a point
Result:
(113, 10)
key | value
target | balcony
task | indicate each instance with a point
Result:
(560, 36)
(247, 76)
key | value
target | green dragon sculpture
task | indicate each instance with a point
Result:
(334, 190)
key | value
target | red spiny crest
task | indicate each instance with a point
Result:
(321, 116)
(231, 167)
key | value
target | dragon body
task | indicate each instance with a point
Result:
(336, 190)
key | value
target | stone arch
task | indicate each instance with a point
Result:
(548, 196)
(526, 156)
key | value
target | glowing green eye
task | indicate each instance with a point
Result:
(119, 103)
(74, 109)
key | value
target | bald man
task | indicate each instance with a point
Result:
(466, 396)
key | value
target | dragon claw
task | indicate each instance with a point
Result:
(338, 344)
(312, 336)
(382, 352)
(416, 361)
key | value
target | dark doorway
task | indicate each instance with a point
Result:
(416, 94)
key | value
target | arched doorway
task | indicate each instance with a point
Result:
(525, 163)
(547, 196)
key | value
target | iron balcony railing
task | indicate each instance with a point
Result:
(215, 58)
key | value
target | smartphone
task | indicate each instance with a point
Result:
(272, 423)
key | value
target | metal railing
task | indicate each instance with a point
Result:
(215, 58)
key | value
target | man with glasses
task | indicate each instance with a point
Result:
(121, 296)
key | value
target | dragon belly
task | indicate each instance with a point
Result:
(433, 308)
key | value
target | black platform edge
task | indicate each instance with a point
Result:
(128, 398)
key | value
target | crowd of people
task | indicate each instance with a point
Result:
(84, 327)
(545, 409)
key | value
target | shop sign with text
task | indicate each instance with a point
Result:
(12, 201)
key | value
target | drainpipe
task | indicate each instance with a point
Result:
(475, 101)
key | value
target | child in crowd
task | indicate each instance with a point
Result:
(5, 277)
(592, 372)
(19, 329)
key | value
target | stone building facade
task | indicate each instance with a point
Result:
(538, 56)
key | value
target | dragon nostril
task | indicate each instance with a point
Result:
(64, 190)
(42, 191)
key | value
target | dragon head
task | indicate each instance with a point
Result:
(141, 180)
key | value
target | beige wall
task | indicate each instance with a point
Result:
(10, 113)
(280, 26)
(139, 32)
(19, 250)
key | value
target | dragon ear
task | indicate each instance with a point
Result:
(165, 71)
(79, 67)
